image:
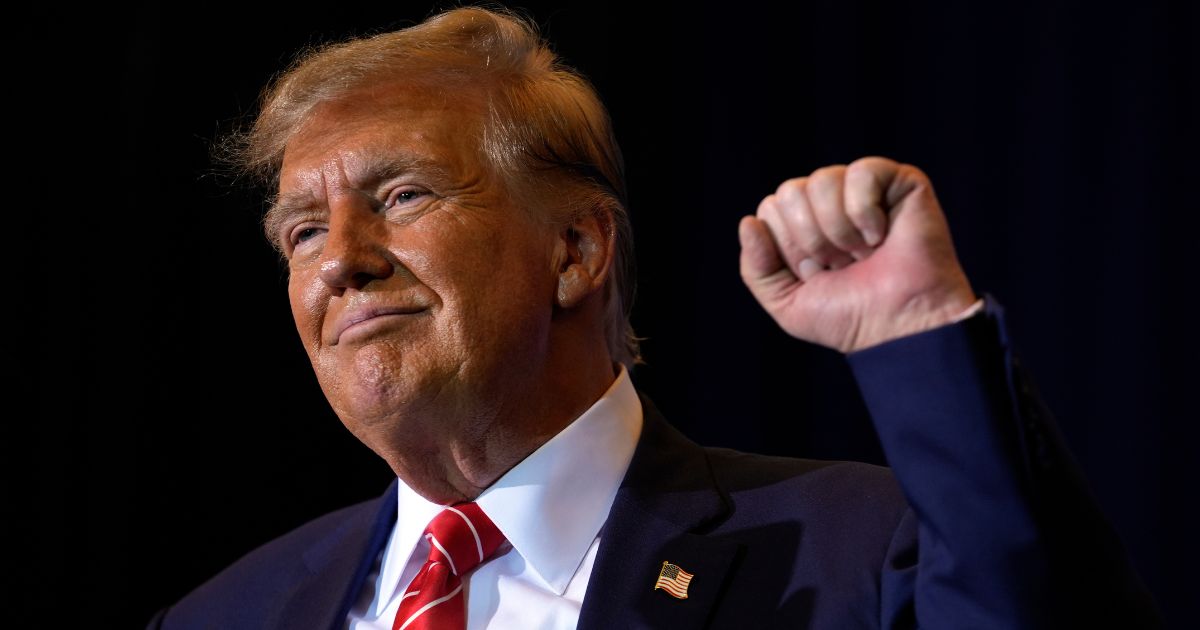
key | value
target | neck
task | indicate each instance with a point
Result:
(521, 418)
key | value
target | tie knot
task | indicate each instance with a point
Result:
(462, 536)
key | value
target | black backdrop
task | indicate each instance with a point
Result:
(177, 423)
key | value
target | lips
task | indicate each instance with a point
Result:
(361, 319)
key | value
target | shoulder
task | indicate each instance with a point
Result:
(812, 540)
(257, 589)
(826, 532)
(260, 568)
(758, 489)
(844, 495)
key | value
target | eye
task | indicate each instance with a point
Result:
(302, 233)
(404, 196)
(305, 234)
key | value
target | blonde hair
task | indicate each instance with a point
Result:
(546, 131)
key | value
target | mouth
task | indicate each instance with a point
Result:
(365, 322)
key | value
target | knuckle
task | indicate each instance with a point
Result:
(791, 188)
(798, 216)
(864, 169)
(914, 174)
(766, 205)
(872, 162)
(866, 176)
(827, 175)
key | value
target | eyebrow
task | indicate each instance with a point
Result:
(376, 167)
(283, 208)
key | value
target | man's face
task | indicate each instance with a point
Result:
(422, 293)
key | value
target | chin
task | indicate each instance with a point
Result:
(366, 376)
(383, 425)
(374, 390)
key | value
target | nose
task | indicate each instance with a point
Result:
(355, 250)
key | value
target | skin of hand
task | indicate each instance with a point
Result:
(853, 256)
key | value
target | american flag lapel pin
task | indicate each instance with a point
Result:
(674, 580)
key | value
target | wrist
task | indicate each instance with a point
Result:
(921, 315)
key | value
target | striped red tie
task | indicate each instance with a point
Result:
(460, 538)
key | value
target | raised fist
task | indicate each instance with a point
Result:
(853, 256)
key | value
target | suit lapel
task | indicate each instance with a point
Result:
(666, 502)
(338, 566)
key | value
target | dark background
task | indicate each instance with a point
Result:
(176, 422)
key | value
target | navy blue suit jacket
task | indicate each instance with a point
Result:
(989, 525)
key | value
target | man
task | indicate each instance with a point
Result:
(451, 206)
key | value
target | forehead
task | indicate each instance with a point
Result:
(379, 125)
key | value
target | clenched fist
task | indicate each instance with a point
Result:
(853, 256)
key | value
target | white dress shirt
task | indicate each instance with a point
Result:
(550, 507)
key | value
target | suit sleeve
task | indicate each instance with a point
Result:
(1008, 536)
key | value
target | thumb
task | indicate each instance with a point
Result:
(761, 263)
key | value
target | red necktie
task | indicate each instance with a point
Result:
(460, 538)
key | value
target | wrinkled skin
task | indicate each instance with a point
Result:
(853, 256)
(438, 315)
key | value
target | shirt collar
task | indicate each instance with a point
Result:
(552, 504)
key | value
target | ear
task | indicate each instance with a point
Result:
(584, 255)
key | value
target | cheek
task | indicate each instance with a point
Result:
(308, 300)
(493, 282)
(507, 292)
